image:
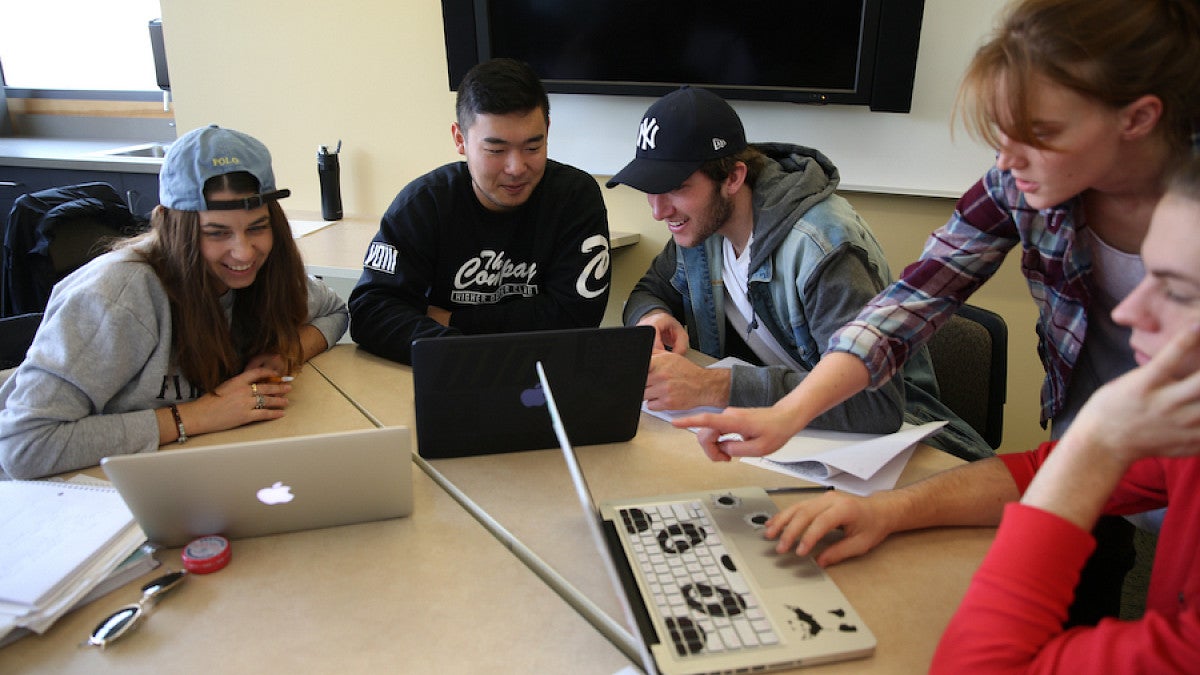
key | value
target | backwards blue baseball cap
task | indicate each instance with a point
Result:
(679, 133)
(210, 151)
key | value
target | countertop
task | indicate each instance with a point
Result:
(70, 153)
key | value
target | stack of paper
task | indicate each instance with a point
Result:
(60, 540)
(138, 563)
(857, 463)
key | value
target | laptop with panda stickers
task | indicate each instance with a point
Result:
(703, 591)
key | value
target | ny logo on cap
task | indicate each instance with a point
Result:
(647, 132)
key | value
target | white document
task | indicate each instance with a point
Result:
(857, 463)
(301, 228)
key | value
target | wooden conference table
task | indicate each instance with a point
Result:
(906, 590)
(434, 592)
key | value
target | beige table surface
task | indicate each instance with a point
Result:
(434, 592)
(314, 406)
(905, 590)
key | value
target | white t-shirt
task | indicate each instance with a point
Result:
(1106, 353)
(741, 314)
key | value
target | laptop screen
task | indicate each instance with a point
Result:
(479, 394)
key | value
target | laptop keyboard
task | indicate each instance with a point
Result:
(695, 586)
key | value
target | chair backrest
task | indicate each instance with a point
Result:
(16, 334)
(970, 360)
(51, 233)
(76, 244)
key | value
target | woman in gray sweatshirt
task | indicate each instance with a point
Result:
(184, 330)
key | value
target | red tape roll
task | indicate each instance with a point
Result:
(206, 554)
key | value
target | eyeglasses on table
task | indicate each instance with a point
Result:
(121, 622)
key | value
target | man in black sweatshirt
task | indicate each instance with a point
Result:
(506, 241)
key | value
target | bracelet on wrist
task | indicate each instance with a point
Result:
(178, 424)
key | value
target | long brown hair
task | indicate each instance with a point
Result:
(267, 315)
(1111, 51)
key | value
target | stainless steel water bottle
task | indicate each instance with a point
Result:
(329, 171)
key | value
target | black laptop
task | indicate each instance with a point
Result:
(480, 394)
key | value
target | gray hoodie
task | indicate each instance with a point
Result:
(101, 364)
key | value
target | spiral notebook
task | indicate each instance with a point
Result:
(61, 539)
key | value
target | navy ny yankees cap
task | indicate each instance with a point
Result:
(680, 132)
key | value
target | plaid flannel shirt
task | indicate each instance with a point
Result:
(988, 221)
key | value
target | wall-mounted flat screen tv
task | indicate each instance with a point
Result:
(851, 52)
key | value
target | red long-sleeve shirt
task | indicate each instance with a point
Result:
(1011, 618)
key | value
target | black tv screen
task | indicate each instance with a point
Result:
(856, 52)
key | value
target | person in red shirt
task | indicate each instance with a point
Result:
(1135, 446)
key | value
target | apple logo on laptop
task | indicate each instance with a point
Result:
(533, 397)
(276, 494)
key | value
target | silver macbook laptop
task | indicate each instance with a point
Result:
(704, 591)
(255, 488)
(479, 394)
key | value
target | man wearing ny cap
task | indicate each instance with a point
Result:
(506, 241)
(764, 263)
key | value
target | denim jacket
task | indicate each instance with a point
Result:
(814, 264)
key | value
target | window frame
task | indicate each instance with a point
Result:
(83, 94)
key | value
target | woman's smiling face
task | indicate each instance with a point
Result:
(235, 243)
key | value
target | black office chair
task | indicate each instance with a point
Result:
(16, 334)
(970, 360)
(51, 233)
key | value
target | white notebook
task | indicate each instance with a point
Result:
(60, 540)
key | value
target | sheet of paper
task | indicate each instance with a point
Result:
(883, 479)
(860, 455)
(857, 463)
(301, 228)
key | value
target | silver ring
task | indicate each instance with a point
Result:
(260, 402)
(254, 388)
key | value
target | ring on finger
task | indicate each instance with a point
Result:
(254, 388)
(260, 402)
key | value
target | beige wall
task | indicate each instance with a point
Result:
(372, 73)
